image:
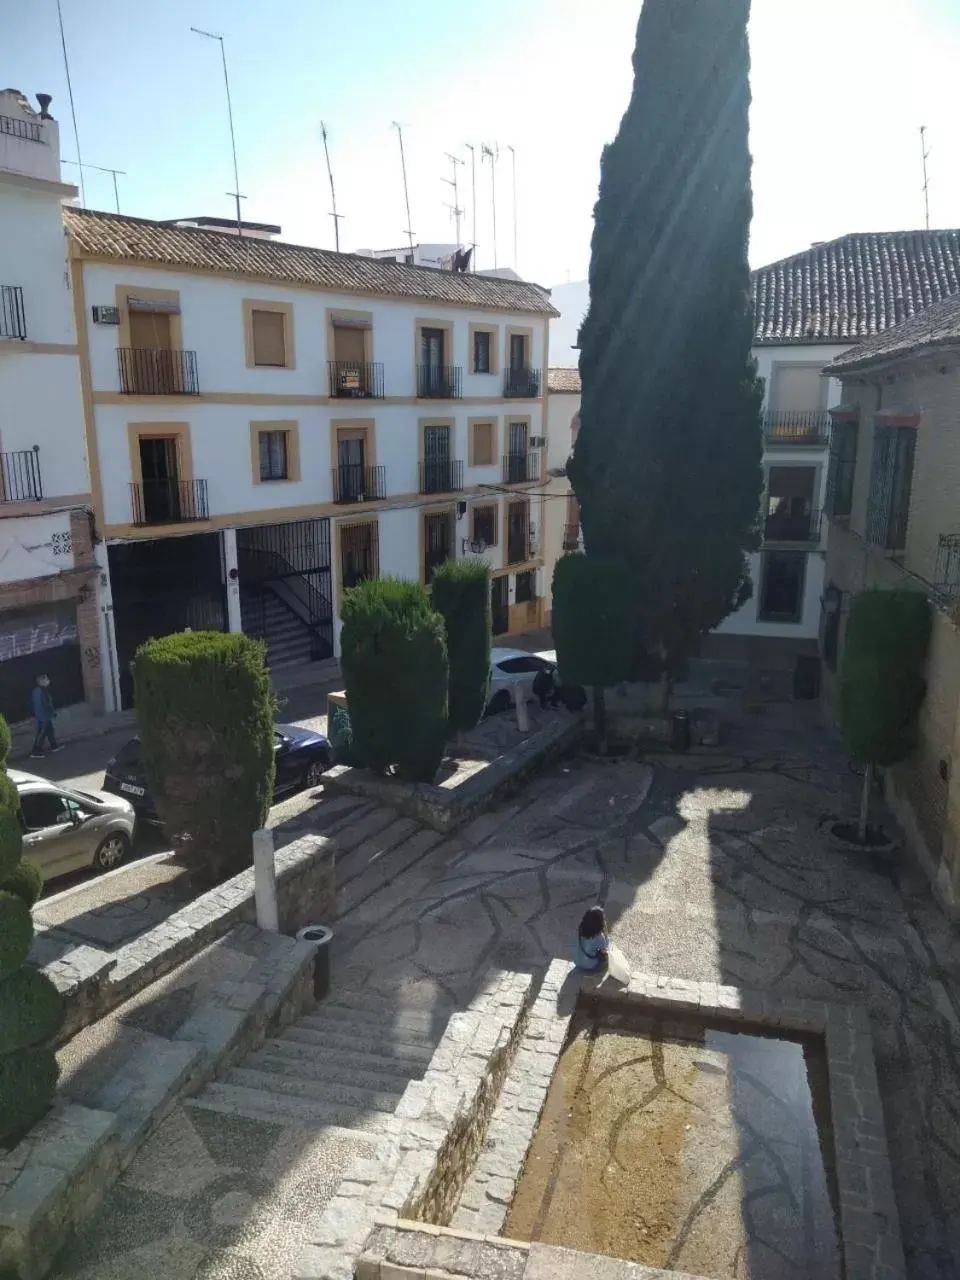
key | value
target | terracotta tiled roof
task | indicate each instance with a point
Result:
(938, 326)
(111, 235)
(563, 381)
(849, 289)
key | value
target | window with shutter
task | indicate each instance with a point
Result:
(483, 455)
(485, 523)
(269, 339)
(891, 477)
(273, 455)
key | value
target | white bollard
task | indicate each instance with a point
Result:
(520, 702)
(265, 882)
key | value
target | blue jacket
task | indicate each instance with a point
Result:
(41, 704)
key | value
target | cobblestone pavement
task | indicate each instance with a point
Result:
(711, 867)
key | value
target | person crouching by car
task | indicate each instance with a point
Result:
(545, 689)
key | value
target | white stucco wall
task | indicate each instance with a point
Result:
(40, 404)
(33, 255)
(35, 547)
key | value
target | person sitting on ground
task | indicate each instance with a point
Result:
(545, 689)
(590, 953)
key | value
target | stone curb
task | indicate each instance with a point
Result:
(56, 1178)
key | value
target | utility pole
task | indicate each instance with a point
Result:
(492, 153)
(473, 201)
(924, 152)
(210, 35)
(406, 194)
(333, 195)
(513, 165)
(100, 169)
(452, 182)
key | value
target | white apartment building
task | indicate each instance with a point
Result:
(271, 423)
(808, 309)
(48, 578)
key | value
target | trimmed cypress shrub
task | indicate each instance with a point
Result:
(882, 684)
(205, 718)
(31, 1008)
(593, 626)
(393, 654)
(460, 592)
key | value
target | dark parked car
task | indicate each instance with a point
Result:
(302, 757)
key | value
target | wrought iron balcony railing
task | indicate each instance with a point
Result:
(169, 501)
(28, 130)
(797, 427)
(521, 383)
(787, 527)
(20, 476)
(353, 482)
(439, 381)
(352, 379)
(13, 318)
(441, 475)
(521, 468)
(153, 371)
(571, 537)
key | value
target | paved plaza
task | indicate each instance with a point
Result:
(713, 867)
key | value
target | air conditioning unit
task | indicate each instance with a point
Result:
(106, 315)
(538, 442)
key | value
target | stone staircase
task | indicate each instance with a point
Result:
(344, 1066)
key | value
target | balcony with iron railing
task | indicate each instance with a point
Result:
(521, 384)
(789, 428)
(169, 501)
(521, 468)
(353, 482)
(441, 475)
(20, 476)
(13, 318)
(154, 371)
(439, 381)
(797, 527)
(571, 537)
(355, 380)
(27, 130)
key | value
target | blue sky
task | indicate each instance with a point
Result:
(839, 88)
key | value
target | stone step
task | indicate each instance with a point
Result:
(359, 1096)
(334, 1036)
(308, 1063)
(405, 1025)
(299, 1113)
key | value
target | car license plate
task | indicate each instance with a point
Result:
(131, 789)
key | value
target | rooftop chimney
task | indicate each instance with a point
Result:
(45, 99)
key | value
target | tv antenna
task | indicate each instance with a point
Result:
(100, 169)
(211, 35)
(924, 152)
(473, 196)
(454, 208)
(513, 166)
(492, 154)
(406, 193)
(333, 195)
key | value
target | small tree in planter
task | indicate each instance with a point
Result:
(205, 717)
(31, 1009)
(393, 654)
(593, 627)
(881, 680)
(460, 592)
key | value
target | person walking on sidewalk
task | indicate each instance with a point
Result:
(41, 704)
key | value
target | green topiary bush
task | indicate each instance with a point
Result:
(593, 626)
(31, 1009)
(882, 683)
(205, 717)
(393, 654)
(460, 592)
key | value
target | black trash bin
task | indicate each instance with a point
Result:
(322, 936)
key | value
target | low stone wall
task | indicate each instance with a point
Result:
(444, 809)
(425, 1152)
(55, 1179)
(94, 982)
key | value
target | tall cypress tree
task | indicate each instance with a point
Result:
(667, 462)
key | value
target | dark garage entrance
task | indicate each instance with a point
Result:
(161, 586)
(39, 640)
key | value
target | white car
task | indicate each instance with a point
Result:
(509, 667)
(65, 830)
